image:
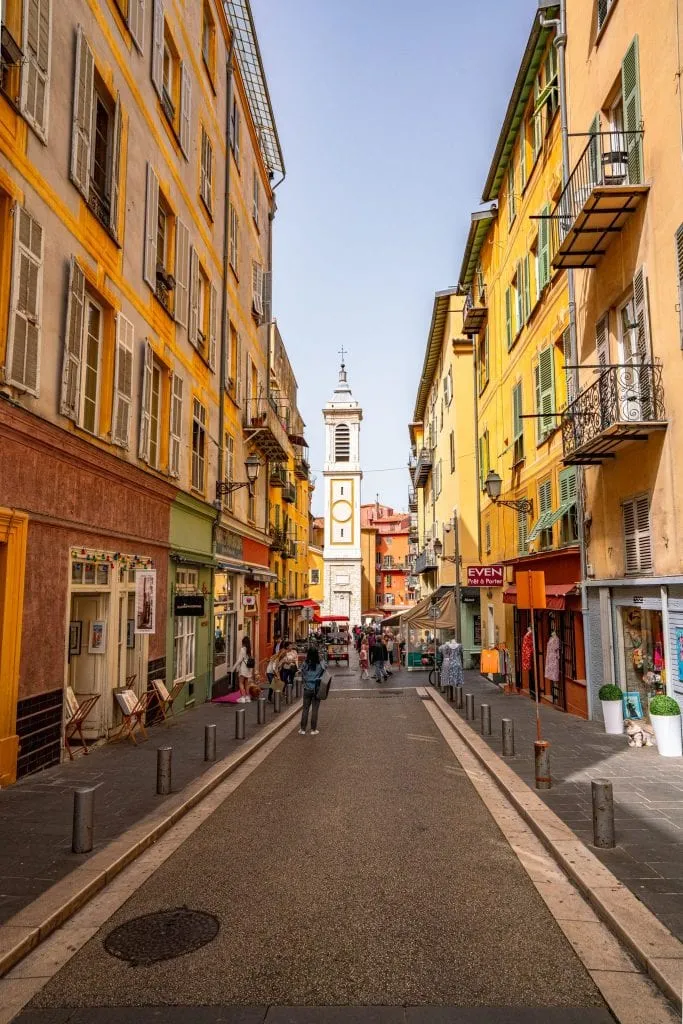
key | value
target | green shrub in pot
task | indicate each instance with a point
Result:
(665, 715)
(663, 705)
(610, 692)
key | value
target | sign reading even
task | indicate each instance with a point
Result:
(188, 604)
(485, 575)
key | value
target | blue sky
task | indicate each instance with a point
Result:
(388, 112)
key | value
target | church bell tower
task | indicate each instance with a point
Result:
(342, 476)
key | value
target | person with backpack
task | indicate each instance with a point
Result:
(311, 673)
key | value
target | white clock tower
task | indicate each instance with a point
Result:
(342, 475)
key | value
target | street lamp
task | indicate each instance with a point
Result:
(252, 465)
(493, 485)
(455, 558)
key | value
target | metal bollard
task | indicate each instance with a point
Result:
(458, 698)
(485, 711)
(209, 742)
(288, 694)
(469, 707)
(164, 770)
(261, 710)
(603, 814)
(297, 687)
(451, 694)
(508, 737)
(84, 811)
(542, 759)
(277, 701)
(240, 723)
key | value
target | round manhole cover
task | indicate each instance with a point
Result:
(161, 936)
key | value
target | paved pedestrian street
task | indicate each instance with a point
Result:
(357, 868)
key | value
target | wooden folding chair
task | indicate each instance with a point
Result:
(164, 699)
(78, 714)
(133, 711)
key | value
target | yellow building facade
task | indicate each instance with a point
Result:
(518, 317)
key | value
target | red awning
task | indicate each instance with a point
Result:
(555, 595)
(308, 602)
(274, 604)
(330, 618)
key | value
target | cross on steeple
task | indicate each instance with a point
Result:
(342, 353)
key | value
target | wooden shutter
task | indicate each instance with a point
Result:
(234, 238)
(546, 389)
(257, 287)
(679, 264)
(146, 403)
(630, 88)
(123, 381)
(35, 69)
(151, 226)
(568, 361)
(115, 171)
(238, 368)
(522, 530)
(642, 314)
(543, 249)
(486, 355)
(508, 317)
(136, 22)
(568, 486)
(527, 287)
(520, 318)
(158, 47)
(481, 463)
(22, 365)
(522, 155)
(602, 342)
(594, 152)
(185, 110)
(176, 426)
(193, 326)
(81, 128)
(517, 423)
(545, 502)
(182, 272)
(637, 542)
(73, 344)
(235, 134)
(267, 296)
(213, 326)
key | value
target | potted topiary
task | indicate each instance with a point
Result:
(612, 708)
(665, 715)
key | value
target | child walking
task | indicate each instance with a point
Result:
(363, 659)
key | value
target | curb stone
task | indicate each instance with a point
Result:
(26, 930)
(653, 945)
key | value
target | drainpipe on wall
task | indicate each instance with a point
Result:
(476, 448)
(560, 43)
(226, 273)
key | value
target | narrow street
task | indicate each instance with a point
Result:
(357, 868)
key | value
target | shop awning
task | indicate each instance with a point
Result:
(261, 573)
(330, 618)
(555, 595)
(308, 602)
(274, 605)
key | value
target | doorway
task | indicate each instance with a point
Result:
(87, 654)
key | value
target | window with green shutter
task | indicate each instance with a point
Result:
(512, 201)
(566, 513)
(517, 425)
(527, 287)
(544, 379)
(508, 317)
(543, 275)
(630, 90)
(522, 529)
(519, 296)
(542, 529)
(484, 461)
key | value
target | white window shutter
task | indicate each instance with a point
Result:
(267, 296)
(238, 370)
(123, 381)
(637, 542)
(185, 110)
(115, 171)
(146, 404)
(81, 128)
(158, 47)
(151, 224)
(193, 326)
(73, 344)
(35, 69)
(22, 366)
(642, 314)
(182, 272)
(176, 426)
(213, 326)
(257, 287)
(136, 22)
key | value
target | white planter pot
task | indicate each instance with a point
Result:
(613, 713)
(668, 734)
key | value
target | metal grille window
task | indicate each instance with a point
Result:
(198, 445)
(637, 540)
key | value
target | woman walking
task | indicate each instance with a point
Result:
(311, 673)
(289, 665)
(363, 660)
(244, 666)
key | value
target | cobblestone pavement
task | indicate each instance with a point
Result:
(36, 813)
(357, 868)
(648, 793)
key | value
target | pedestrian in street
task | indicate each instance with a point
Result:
(363, 659)
(311, 673)
(390, 651)
(378, 653)
(288, 665)
(271, 672)
(244, 666)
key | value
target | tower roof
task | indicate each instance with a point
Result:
(342, 397)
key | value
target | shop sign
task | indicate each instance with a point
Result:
(229, 544)
(145, 600)
(189, 604)
(249, 601)
(639, 600)
(485, 575)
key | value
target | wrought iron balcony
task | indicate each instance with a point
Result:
(603, 190)
(412, 500)
(264, 428)
(625, 403)
(423, 467)
(289, 493)
(426, 561)
(474, 314)
(278, 539)
(301, 467)
(278, 475)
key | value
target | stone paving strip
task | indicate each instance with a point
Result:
(647, 939)
(34, 923)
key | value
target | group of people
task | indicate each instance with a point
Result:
(377, 650)
(281, 672)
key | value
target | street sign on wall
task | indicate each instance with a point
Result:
(485, 575)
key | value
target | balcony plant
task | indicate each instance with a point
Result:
(612, 708)
(665, 715)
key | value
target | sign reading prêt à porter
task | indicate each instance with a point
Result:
(485, 575)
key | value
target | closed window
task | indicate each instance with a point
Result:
(315, 577)
(171, 79)
(637, 539)
(517, 425)
(176, 426)
(256, 198)
(388, 582)
(198, 445)
(206, 182)
(544, 380)
(512, 199)
(522, 531)
(566, 513)
(484, 458)
(235, 118)
(451, 446)
(22, 367)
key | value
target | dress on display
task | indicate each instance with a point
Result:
(552, 659)
(452, 670)
(527, 651)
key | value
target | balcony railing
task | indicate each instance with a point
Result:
(289, 493)
(265, 428)
(426, 561)
(423, 467)
(278, 538)
(412, 500)
(474, 314)
(278, 475)
(603, 190)
(625, 403)
(301, 467)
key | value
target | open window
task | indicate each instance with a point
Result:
(209, 41)
(203, 325)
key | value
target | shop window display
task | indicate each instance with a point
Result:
(644, 652)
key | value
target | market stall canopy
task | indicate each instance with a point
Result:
(440, 614)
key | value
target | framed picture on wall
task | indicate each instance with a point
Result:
(633, 706)
(75, 637)
(97, 637)
(130, 634)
